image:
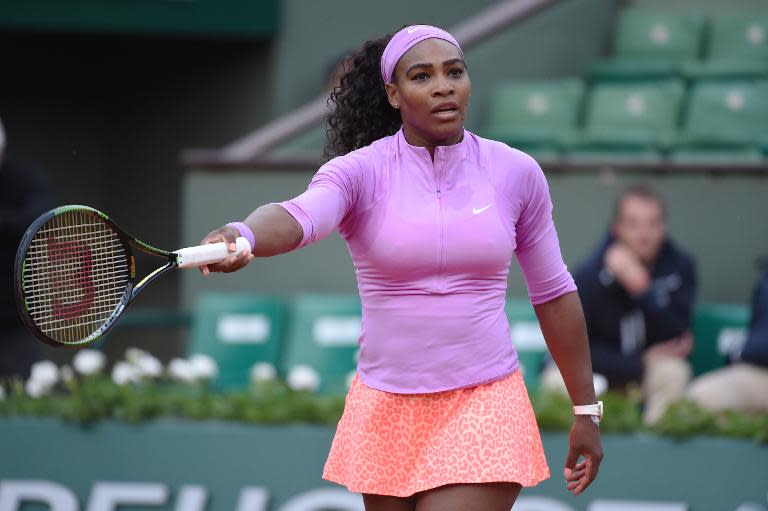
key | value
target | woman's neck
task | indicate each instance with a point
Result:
(415, 139)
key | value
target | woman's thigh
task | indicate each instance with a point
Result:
(469, 497)
(388, 503)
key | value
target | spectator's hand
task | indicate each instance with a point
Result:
(584, 441)
(627, 269)
(682, 346)
(235, 261)
(662, 349)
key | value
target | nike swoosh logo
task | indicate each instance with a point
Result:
(477, 211)
(413, 29)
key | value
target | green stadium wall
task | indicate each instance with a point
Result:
(216, 466)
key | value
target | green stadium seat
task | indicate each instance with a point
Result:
(719, 330)
(323, 336)
(651, 45)
(535, 116)
(629, 120)
(696, 70)
(725, 116)
(738, 47)
(527, 338)
(238, 330)
(595, 154)
(742, 36)
(542, 154)
(723, 154)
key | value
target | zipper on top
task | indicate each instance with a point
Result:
(441, 223)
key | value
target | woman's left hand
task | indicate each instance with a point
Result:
(584, 441)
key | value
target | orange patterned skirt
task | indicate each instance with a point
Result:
(401, 444)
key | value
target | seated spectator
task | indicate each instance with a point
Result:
(743, 385)
(637, 291)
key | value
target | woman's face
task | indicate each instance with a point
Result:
(431, 89)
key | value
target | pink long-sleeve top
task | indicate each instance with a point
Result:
(432, 242)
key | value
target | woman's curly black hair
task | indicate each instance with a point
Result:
(361, 112)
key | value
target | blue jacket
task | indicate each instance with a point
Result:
(755, 349)
(621, 326)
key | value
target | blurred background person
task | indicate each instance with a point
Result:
(24, 195)
(743, 385)
(638, 291)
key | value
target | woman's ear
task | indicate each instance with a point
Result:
(392, 95)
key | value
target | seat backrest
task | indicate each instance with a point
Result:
(742, 36)
(544, 105)
(323, 336)
(238, 330)
(634, 108)
(526, 335)
(727, 111)
(719, 331)
(658, 35)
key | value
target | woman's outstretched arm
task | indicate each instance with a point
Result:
(274, 230)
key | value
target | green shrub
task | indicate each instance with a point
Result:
(96, 397)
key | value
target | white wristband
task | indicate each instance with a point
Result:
(595, 409)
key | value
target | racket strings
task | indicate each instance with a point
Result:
(76, 272)
(101, 297)
(76, 264)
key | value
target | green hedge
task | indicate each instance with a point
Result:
(97, 397)
(623, 414)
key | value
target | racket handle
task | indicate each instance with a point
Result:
(192, 257)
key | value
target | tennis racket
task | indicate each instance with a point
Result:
(75, 273)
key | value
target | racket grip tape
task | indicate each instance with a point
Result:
(192, 257)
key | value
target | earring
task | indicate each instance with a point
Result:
(395, 105)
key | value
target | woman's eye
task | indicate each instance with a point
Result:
(456, 72)
(419, 76)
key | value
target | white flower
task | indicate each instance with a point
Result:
(148, 366)
(134, 355)
(35, 388)
(44, 373)
(67, 374)
(144, 363)
(88, 362)
(263, 371)
(181, 370)
(124, 373)
(204, 367)
(600, 383)
(303, 377)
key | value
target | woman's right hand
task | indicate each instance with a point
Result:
(235, 261)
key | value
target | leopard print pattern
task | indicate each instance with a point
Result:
(401, 444)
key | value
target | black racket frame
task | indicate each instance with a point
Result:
(132, 289)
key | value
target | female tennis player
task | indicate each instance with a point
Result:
(437, 417)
